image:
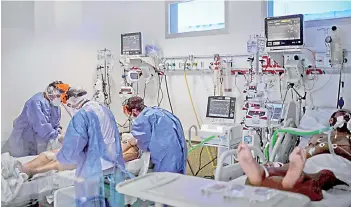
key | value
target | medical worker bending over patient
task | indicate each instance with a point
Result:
(38, 122)
(290, 177)
(159, 132)
(92, 143)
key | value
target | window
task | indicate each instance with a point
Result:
(197, 17)
(312, 10)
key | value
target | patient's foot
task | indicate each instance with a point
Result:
(25, 169)
(252, 169)
(296, 164)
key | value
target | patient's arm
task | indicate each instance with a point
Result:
(130, 152)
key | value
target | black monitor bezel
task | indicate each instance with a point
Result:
(218, 98)
(139, 52)
(286, 43)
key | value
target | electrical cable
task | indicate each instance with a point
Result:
(123, 126)
(144, 91)
(200, 159)
(191, 100)
(159, 90)
(191, 169)
(206, 165)
(169, 98)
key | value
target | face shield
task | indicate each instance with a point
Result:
(54, 95)
(55, 92)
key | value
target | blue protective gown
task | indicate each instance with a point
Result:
(161, 133)
(84, 146)
(36, 125)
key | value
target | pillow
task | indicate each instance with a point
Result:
(315, 119)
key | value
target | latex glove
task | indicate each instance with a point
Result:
(60, 138)
(132, 141)
(55, 143)
(61, 131)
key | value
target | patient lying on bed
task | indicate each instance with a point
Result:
(290, 177)
(46, 161)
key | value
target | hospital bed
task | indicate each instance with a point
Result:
(43, 186)
(189, 191)
(313, 119)
(229, 188)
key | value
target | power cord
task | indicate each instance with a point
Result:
(205, 166)
(158, 92)
(169, 98)
(144, 91)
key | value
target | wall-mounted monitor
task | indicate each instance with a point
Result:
(284, 31)
(131, 44)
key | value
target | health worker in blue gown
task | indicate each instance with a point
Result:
(38, 123)
(161, 133)
(92, 142)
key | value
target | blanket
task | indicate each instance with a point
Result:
(11, 178)
(339, 195)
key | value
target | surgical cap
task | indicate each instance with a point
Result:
(75, 95)
(53, 90)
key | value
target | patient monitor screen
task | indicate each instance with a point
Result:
(284, 31)
(131, 44)
(221, 107)
(276, 111)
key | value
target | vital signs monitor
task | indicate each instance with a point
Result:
(284, 31)
(221, 107)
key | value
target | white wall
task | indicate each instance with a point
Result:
(46, 41)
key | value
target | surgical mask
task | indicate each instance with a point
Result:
(56, 102)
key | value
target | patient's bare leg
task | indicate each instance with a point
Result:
(37, 162)
(30, 166)
(296, 164)
(252, 169)
(53, 165)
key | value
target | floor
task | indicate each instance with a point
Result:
(198, 159)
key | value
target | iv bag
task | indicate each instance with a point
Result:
(336, 50)
(227, 80)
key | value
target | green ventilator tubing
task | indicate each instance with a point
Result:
(294, 132)
(201, 143)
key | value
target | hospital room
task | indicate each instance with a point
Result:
(189, 103)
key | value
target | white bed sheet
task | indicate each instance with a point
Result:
(46, 183)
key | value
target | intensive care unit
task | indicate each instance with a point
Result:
(260, 102)
(269, 128)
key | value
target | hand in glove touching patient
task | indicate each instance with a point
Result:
(60, 138)
(132, 141)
